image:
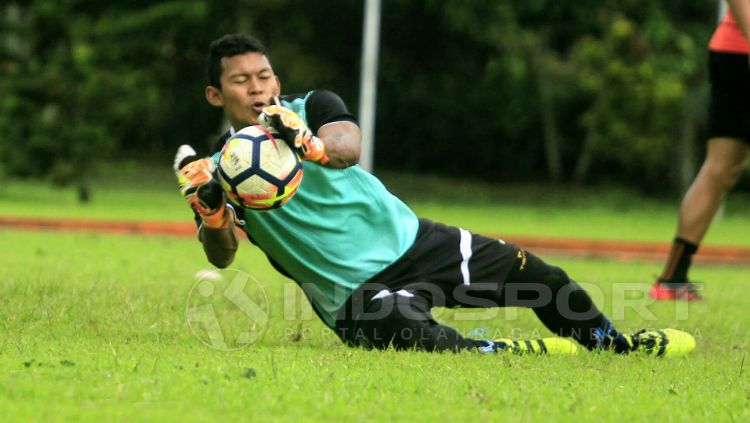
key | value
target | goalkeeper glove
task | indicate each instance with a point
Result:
(199, 187)
(295, 132)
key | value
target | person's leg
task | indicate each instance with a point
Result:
(453, 267)
(561, 304)
(402, 320)
(567, 310)
(726, 158)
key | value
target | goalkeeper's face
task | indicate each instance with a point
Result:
(247, 85)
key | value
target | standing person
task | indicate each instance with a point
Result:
(371, 268)
(726, 156)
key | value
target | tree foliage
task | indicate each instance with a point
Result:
(540, 90)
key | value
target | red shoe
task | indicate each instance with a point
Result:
(676, 291)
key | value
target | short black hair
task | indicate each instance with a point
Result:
(227, 46)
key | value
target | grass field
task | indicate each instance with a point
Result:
(94, 327)
(498, 209)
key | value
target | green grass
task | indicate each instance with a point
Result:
(93, 328)
(149, 193)
(596, 213)
(133, 192)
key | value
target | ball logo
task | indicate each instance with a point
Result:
(234, 161)
(227, 309)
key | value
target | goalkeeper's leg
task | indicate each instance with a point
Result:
(402, 320)
(561, 304)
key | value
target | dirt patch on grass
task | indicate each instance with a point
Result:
(611, 249)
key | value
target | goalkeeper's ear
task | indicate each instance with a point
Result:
(213, 96)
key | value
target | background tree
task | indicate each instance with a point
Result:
(579, 92)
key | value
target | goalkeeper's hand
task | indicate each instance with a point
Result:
(295, 132)
(199, 187)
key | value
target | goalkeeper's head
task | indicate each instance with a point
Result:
(240, 78)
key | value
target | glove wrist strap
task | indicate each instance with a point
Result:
(218, 219)
(323, 159)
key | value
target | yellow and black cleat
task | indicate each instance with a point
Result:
(662, 342)
(546, 346)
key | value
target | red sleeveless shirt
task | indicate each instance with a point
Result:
(728, 37)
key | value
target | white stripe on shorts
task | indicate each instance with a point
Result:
(386, 293)
(465, 246)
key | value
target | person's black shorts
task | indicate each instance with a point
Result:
(729, 110)
(446, 267)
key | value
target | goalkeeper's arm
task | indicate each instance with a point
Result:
(342, 141)
(206, 197)
(219, 244)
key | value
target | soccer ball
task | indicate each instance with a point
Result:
(258, 171)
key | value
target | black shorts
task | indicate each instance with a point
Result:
(729, 110)
(446, 267)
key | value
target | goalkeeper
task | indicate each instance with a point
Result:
(371, 268)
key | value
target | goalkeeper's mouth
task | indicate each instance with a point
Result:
(258, 106)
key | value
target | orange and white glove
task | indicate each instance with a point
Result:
(201, 190)
(295, 132)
